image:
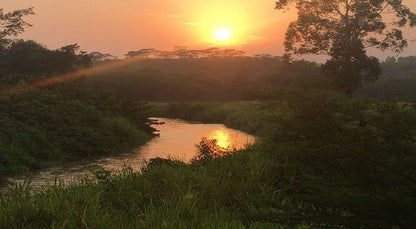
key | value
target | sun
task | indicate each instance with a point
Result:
(222, 34)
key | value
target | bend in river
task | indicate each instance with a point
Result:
(178, 140)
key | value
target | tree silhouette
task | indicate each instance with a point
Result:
(182, 52)
(70, 57)
(32, 59)
(97, 57)
(12, 23)
(343, 29)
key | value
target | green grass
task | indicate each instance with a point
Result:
(43, 128)
(266, 186)
(294, 177)
(256, 117)
(231, 192)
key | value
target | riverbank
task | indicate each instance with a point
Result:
(299, 175)
(46, 128)
(253, 117)
(177, 140)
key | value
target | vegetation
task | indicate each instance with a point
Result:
(12, 23)
(321, 170)
(343, 30)
(323, 159)
(242, 79)
(398, 81)
(28, 60)
(43, 128)
(181, 52)
(207, 79)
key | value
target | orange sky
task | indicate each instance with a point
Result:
(119, 26)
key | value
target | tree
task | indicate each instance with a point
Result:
(344, 29)
(12, 23)
(145, 53)
(70, 57)
(28, 57)
(97, 57)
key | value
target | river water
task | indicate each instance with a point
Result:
(178, 140)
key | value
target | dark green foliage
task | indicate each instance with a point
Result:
(343, 30)
(208, 150)
(28, 60)
(297, 178)
(349, 75)
(323, 160)
(240, 79)
(318, 165)
(208, 79)
(350, 171)
(44, 127)
(398, 81)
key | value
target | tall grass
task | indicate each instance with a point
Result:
(294, 177)
(229, 192)
(44, 128)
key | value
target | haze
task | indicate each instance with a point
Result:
(120, 26)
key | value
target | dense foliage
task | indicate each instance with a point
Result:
(315, 167)
(46, 127)
(325, 159)
(23, 61)
(12, 23)
(208, 79)
(398, 81)
(344, 30)
(242, 78)
(41, 128)
(322, 159)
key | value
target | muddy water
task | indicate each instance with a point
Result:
(177, 140)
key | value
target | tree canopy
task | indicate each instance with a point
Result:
(30, 59)
(182, 52)
(343, 29)
(12, 23)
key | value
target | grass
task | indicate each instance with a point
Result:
(166, 195)
(45, 128)
(295, 177)
(237, 191)
(254, 117)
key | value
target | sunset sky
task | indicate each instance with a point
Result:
(119, 26)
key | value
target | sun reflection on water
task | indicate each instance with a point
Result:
(222, 138)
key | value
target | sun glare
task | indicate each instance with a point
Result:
(222, 34)
(222, 137)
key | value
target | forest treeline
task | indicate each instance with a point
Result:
(25, 60)
(211, 75)
(324, 159)
(86, 112)
(183, 52)
(42, 128)
(246, 78)
(398, 80)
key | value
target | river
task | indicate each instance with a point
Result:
(177, 140)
